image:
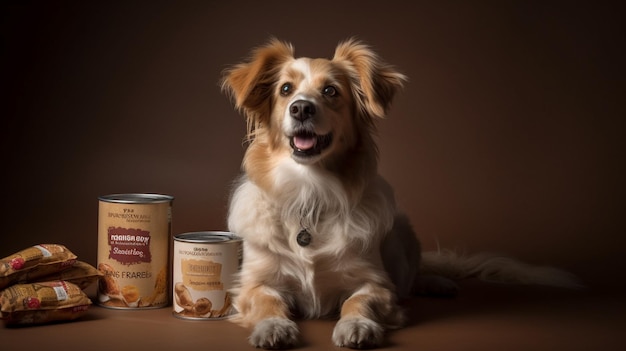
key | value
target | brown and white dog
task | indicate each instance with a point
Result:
(321, 232)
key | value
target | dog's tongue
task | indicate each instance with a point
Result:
(304, 142)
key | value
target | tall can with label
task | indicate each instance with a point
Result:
(134, 235)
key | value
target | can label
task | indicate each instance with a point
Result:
(204, 267)
(134, 232)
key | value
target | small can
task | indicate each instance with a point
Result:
(204, 268)
(134, 235)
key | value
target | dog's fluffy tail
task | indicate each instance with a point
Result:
(494, 268)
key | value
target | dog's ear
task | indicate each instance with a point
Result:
(374, 83)
(250, 83)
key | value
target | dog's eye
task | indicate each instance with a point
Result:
(285, 89)
(329, 91)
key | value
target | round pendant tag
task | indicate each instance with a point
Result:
(304, 238)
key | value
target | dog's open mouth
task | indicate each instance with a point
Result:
(305, 144)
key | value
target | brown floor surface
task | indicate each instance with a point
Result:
(483, 317)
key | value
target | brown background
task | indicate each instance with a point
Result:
(508, 137)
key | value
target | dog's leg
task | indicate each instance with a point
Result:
(266, 312)
(435, 285)
(364, 317)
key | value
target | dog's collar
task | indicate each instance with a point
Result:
(304, 237)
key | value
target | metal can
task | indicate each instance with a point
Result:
(134, 234)
(204, 268)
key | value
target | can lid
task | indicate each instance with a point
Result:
(206, 237)
(136, 198)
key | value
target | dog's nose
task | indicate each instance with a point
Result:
(302, 110)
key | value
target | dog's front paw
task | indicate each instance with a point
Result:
(275, 333)
(358, 333)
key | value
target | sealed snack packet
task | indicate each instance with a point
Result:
(34, 262)
(44, 302)
(80, 273)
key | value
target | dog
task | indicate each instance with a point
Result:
(322, 235)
